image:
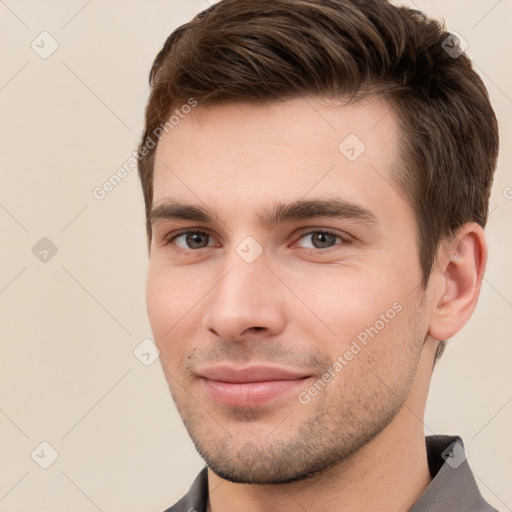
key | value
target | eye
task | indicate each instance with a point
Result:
(319, 240)
(191, 240)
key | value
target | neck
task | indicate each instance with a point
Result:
(388, 474)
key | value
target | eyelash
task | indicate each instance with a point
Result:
(344, 240)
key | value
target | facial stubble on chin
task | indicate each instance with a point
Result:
(320, 442)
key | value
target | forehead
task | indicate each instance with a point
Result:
(236, 156)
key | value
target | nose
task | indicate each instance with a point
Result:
(246, 302)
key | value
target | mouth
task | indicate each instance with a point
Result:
(249, 386)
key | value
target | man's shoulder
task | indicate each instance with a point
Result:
(196, 497)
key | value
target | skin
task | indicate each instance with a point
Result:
(358, 444)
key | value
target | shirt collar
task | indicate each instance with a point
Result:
(453, 486)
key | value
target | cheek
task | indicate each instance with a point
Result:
(344, 304)
(171, 297)
(165, 309)
(375, 324)
(159, 302)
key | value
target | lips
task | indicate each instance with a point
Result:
(250, 386)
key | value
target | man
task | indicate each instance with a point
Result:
(316, 175)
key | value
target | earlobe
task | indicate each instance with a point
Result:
(461, 264)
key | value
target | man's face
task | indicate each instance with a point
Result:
(284, 283)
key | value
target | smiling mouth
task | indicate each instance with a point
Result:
(250, 386)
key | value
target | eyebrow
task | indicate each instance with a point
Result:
(270, 217)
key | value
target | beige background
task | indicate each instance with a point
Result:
(68, 375)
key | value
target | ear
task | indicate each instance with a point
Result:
(456, 280)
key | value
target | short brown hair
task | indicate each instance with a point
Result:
(273, 50)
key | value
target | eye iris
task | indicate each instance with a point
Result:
(321, 240)
(197, 240)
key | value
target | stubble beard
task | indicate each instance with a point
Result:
(332, 433)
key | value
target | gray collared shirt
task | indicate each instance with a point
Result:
(453, 487)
